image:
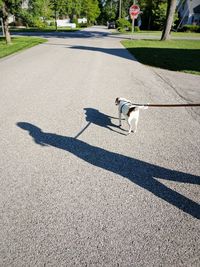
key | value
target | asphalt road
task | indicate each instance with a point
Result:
(75, 190)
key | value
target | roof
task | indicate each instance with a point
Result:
(193, 6)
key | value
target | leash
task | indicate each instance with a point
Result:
(168, 105)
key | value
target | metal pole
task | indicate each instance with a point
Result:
(133, 24)
(55, 11)
(2, 26)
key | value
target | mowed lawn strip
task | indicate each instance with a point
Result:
(176, 55)
(18, 43)
(183, 35)
(49, 29)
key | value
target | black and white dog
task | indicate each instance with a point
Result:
(130, 112)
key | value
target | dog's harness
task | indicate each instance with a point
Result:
(127, 102)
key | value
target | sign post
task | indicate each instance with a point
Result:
(134, 11)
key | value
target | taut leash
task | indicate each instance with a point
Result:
(168, 105)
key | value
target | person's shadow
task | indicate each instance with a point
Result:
(100, 119)
(139, 172)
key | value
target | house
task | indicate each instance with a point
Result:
(189, 12)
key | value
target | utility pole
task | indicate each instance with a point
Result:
(120, 9)
(55, 13)
(56, 19)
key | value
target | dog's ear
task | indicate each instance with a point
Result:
(117, 101)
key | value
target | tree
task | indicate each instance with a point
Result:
(153, 13)
(169, 19)
(8, 7)
(159, 16)
(90, 9)
(109, 10)
(36, 13)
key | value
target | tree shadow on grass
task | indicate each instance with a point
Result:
(139, 172)
(168, 58)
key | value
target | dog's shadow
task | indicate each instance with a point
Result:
(139, 172)
(100, 119)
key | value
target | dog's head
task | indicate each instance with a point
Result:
(117, 100)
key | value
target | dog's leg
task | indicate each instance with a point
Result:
(136, 119)
(130, 126)
(136, 123)
(120, 118)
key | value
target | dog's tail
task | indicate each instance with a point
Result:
(143, 107)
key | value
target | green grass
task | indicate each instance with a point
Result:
(175, 55)
(185, 34)
(18, 43)
(159, 33)
(47, 29)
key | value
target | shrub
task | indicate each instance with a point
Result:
(123, 24)
(136, 29)
(26, 18)
(120, 29)
(191, 28)
(52, 23)
(38, 23)
(82, 24)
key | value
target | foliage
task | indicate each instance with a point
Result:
(137, 29)
(123, 24)
(191, 28)
(8, 7)
(90, 9)
(109, 11)
(29, 20)
(159, 16)
(36, 12)
(12, 7)
(153, 12)
(74, 9)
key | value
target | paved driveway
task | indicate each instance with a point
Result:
(75, 190)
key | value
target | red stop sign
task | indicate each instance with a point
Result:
(134, 10)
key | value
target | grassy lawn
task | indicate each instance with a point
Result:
(48, 29)
(18, 43)
(176, 55)
(159, 33)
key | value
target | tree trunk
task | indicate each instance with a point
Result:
(5, 23)
(169, 19)
(150, 15)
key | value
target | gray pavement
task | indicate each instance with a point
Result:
(75, 190)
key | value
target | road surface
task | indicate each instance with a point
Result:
(75, 189)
